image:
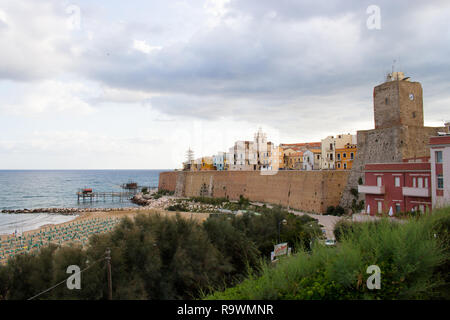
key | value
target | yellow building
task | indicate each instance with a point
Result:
(345, 157)
(277, 158)
(207, 163)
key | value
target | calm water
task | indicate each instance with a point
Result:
(32, 189)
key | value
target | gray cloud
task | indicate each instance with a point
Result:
(288, 61)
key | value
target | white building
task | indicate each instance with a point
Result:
(219, 160)
(308, 160)
(252, 155)
(440, 169)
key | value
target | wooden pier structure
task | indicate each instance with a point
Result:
(96, 196)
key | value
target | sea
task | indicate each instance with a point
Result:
(33, 189)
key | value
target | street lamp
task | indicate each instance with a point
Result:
(284, 222)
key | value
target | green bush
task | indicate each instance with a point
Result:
(335, 211)
(330, 210)
(354, 192)
(177, 207)
(413, 258)
(208, 200)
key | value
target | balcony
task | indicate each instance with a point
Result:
(371, 189)
(416, 192)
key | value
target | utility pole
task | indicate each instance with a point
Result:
(108, 269)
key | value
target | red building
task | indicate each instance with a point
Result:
(397, 187)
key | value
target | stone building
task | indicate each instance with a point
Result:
(399, 130)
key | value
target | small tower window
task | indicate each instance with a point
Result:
(386, 100)
(414, 114)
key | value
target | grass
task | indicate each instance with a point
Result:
(413, 258)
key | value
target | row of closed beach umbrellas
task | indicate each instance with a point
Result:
(75, 232)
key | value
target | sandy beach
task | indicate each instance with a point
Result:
(77, 231)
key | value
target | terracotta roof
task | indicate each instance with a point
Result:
(398, 166)
(302, 144)
(440, 140)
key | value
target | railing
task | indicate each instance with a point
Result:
(416, 192)
(371, 189)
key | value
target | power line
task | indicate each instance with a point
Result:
(59, 283)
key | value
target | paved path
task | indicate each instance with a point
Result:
(326, 221)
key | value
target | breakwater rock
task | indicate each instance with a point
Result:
(140, 200)
(65, 211)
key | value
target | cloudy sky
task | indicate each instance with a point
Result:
(92, 84)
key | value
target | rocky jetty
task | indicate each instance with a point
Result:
(149, 201)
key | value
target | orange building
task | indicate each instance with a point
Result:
(345, 157)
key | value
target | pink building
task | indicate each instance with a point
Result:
(440, 170)
(397, 187)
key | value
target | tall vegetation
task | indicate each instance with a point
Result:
(413, 258)
(155, 257)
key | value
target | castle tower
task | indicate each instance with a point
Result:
(398, 102)
(399, 130)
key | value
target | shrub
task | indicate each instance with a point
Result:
(243, 202)
(177, 207)
(208, 200)
(354, 192)
(414, 264)
(330, 210)
(339, 211)
(335, 211)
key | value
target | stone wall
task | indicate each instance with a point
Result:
(168, 180)
(310, 191)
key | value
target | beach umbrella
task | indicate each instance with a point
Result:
(368, 209)
(391, 212)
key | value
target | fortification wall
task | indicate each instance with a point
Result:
(168, 180)
(310, 191)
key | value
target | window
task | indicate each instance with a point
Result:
(440, 181)
(331, 156)
(414, 182)
(331, 146)
(397, 207)
(386, 100)
(344, 155)
(438, 156)
(397, 181)
(345, 165)
(339, 165)
(426, 182)
(379, 180)
(351, 155)
(380, 207)
(339, 156)
(420, 182)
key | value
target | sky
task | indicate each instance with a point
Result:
(109, 84)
